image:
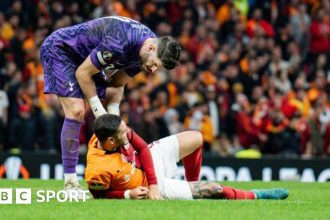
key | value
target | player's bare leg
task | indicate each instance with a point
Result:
(190, 151)
(74, 111)
(213, 190)
(206, 190)
(189, 141)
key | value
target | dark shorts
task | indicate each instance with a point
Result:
(59, 72)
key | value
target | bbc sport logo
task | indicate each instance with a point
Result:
(24, 196)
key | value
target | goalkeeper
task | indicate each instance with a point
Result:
(113, 169)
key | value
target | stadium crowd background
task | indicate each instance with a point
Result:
(253, 74)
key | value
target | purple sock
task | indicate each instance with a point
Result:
(70, 144)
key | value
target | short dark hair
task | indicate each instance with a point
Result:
(106, 126)
(168, 52)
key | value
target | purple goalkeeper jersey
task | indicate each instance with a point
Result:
(112, 42)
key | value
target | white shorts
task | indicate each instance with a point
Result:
(165, 155)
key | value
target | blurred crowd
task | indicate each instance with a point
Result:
(253, 74)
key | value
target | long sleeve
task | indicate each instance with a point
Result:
(107, 194)
(144, 155)
(119, 194)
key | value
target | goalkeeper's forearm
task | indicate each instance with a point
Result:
(115, 95)
(88, 88)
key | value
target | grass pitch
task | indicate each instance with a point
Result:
(306, 201)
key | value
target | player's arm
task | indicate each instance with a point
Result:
(147, 164)
(99, 182)
(99, 186)
(115, 90)
(84, 75)
(108, 194)
(140, 192)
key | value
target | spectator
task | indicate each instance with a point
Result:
(198, 119)
(318, 123)
(320, 34)
(276, 56)
(249, 134)
(213, 109)
(283, 136)
(257, 26)
(23, 130)
(173, 124)
(300, 22)
(277, 64)
(3, 116)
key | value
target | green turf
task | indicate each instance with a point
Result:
(306, 201)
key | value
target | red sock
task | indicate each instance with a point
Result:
(192, 164)
(231, 193)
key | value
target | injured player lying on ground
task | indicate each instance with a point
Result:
(113, 170)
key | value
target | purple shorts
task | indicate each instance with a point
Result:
(59, 71)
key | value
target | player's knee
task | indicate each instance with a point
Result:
(198, 138)
(195, 139)
(77, 113)
(74, 108)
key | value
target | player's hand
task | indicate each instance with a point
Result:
(140, 192)
(154, 193)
